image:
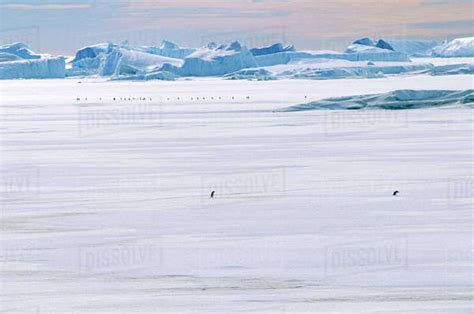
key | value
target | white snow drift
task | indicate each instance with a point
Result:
(106, 208)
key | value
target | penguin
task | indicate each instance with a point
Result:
(395, 193)
(212, 194)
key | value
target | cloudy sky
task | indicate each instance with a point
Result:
(63, 26)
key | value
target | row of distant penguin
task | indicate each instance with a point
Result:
(167, 99)
(395, 193)
(151, 99)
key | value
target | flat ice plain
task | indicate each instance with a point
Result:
(106, 208)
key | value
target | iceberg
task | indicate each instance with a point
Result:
(91, 51)
(169, 49)
(214, 60)
(382, 44)
(20, 50)
(415, 48)
(116, 60)
(272, 49)
(251, 74)
(364, 58)
(403, 47)
(453, 69)
(360, 50)
(366, 53)
(460, 47)
(17, 61)
(283, 57)
(419, 48)
(33, 68)
(340, 72)
(88, 60)
(364, 41)
(5, 56)
(398, 99)
(353, 53)
(84, 67)
(124, 61)
(366, 49)
(330, 69)
(157, 75)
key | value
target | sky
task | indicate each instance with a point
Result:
(61, 26)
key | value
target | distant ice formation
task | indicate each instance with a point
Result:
(364, 58)
(413, 48)
(398, 99)
(18, 61)
(214, 61)
(36, 68)
(410, 47)
(380, 51)
(169, 49)
(19, 50)
(271, 49)
(460, 47)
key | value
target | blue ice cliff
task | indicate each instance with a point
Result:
(18, 61)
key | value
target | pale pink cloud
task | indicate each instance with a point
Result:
(45, 6)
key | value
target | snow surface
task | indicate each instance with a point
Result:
(106, 208)
(460, 47)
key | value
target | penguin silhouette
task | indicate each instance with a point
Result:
(212, 194)
(395, 193)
